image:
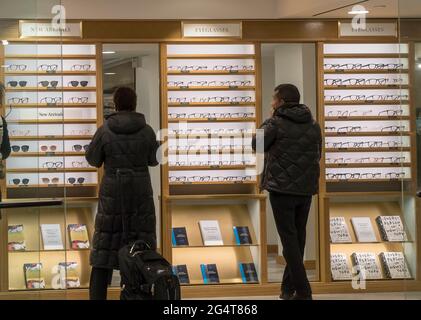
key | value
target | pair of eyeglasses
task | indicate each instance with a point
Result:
(344, 129)
(78, 100)
(46, 84)
(81, 132)
(353, 66)
(48, 67)
(54, 180)
(48, 148)
(51, 100)
(79, 147)
(75, 83)
(211, 115)
(20, 133)
(79, 180)
(390, 113)
(17, 181)
(16, 67)
(79, 164)
(81, 67)
(14, 84)
(53, 164)
(24, 148)
(17, 100)
(364, 144)
(393, 128)
(208, 178)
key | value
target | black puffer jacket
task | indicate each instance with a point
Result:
(126, 146)
(292, 146)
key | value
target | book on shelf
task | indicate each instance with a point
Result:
(182, 273)
(391, 228)
(78, 234)
(339, 232)
(211, 233)
(363, 229)
(33, 278)
(242, 235)
(339, 267)
(69, 277)
(248, 273)
(209, 273)
(179, 236)
(394, 265)
(16, 238)
(51, 237)
(366, 265)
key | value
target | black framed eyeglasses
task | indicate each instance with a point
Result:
(75, 83)
(24, 148)
(46, 84)
(14, 84)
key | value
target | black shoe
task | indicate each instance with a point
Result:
(286, 295)
(301, 297)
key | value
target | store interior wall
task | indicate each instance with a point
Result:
(296, 64)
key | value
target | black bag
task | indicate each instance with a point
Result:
(146, 275)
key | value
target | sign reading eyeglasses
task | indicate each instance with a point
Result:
(30, 29)
(388, 29)
(212, 30)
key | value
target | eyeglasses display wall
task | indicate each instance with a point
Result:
(211, 95)
(367, 113)
(50, 108)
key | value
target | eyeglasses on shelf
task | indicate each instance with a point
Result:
(24, 148)
(17, 181)
(46, 84)
(233, 68)
(75, 83)
(16, 67)
(53, 165)
(364, 144)
(362, 81)
(80, 132)
(51, 100)
(79, 147)
(51, 148)
(187, 68)
(14, 84)
(209, 178)
(54, 180)
(360, 66)
(20, 132)
(211, 115)
(211, 99)
(78, 100)
(81, 67)
(234, 83)
(340, 160)
(17, 100)
(393, 129)
(48, 67)
(79, 180)
(79, 164)
(209, 163)
(346, 129)
(210, 132)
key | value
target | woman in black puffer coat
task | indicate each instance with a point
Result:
(127, 146)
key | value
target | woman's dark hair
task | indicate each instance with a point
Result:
(125, 99)
(288, 92)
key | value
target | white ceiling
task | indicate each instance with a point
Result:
(206, 9)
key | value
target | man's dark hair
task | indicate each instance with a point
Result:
(288, 92)
(125, 99)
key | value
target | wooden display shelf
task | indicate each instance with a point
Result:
(365, 71)
(211, 104)
(52, 121)
(233, 167)
(211, 120)
(366, 102)
(367, 87)
(367, 118)
(220, 151)
(211, 56)
(398, 149)
(211, 72)
(233, 245)
(46, 73)
(366, 180)
(52, 105)
(365, 55)
(210, 88)
(46, 154)
(50, 89)
(368, 133)
(83, 185)
(212, 183)
(50, 138)
(52, 251)
(52, 56)
(367, 165)
(205, 135)
(42, 170)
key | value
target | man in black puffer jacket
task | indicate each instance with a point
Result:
(292, 144)
(126, 146)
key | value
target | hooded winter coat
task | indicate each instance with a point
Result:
(292, 146)
(126, 146)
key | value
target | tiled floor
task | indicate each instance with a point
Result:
(275, 271)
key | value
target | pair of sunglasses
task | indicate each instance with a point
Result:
(50, 181)
(78, 147)
(24, 148)
(45, 148)
(73, 180)
(16, 83)
(46, 84)
(76, 83)
(17, 181)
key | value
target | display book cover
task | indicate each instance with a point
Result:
(363, 229)
(16, 238)
(366, 265)
(211, 233)
(242, 235)
(391, 228)
(32, 273)
(69, 277)
(78, 234)
(248, 273)
(179, 236)
(394, 265)
(339, 232)
(182, 273)
(51, 237)
(209, 273)
(339, 267)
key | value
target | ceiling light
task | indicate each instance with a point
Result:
(4, 42)
(358, 12)
(419, 65)
(109, 73)
(108, 52)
